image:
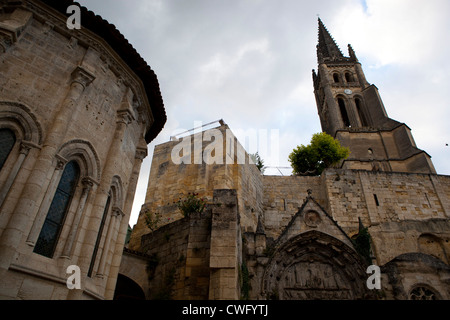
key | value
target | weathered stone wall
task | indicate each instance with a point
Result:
(168, 267)
(406, 213)
(283, 196)
(198, 256)
(375, 197)
(170, 181)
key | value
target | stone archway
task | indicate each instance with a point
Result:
(315, 265)
(127, 289)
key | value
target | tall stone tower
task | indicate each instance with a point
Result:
(351, 110)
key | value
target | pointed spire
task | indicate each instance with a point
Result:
(327, 47)
(351, 53)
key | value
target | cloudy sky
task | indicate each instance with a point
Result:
(249, 62)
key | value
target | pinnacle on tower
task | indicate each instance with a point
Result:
(351, 53)
(327, 47)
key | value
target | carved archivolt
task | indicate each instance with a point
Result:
(19, 118)
(85, 154)
(314, 265)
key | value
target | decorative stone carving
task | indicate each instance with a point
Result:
(312, 219)
(314, 265)
(82, 76)
(422, 293)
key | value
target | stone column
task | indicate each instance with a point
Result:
(141, 153)
(353, 113)
(361, 77)
(25, 147)
(45, 204)
(116, 217)
(87, 185)
(224, 255)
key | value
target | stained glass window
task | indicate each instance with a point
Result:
(7, 141)
(54, 221)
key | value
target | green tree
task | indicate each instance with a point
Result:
(323, 152)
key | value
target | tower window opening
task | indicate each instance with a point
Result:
(344, 114)
(348, 77)
(336, 78)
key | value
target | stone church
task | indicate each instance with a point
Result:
(78, 108)
(297, 237)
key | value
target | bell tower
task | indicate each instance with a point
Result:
(351, 110)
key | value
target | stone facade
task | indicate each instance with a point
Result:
(73, 101)
(303, 237)
(308, 225)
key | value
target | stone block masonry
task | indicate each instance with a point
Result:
(197, 257)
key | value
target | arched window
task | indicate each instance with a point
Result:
(336, 77)
(362, 115)
(344, 114)
(348, 77)
(7, 141)
(48, 238)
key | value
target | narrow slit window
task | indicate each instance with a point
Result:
(376, 199)
(428, 200)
